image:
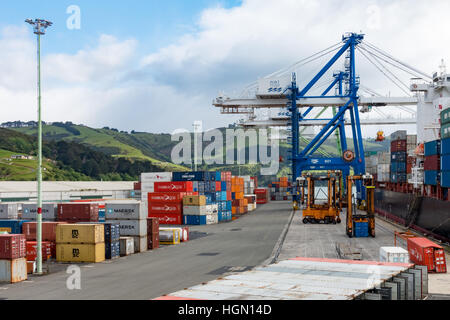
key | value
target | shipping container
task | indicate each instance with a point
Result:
(156, 176)
(194, 201)
(164, 208)
(133, 228)
(432, 163)
(445, 163)
(445, 131)
(445, 179)
(166, 197)
(445, 116)
(12, 246)
(445, 146)
(168, 218)
(31, 250)
(194, 220)
(9, 210)
(12, 226)
(13, 271)
(183, 186)
(398, 156)
(78, 212)
(153, 241)
(194, 210)
(431, 177)
(89, 253)
(399, 135)
(432, 148)
(189, 176)
(112, 250)
(152, 226)
(427, 253)
(48, 230)
(394, 254)
(49, 211)
(126, 246)
(80, 233)
(398, 146)
(125, 210)
(112, 230)
(384, 157)
(140, 244)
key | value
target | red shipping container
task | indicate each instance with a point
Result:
(48, 230)
(152, 226)
(218, 186)
(53, 249)
(32, 250)
(166, 197)
(163, 208)
(427, 253)
(179, 186)
(12, 246)
(398, 146)
(78, 212)
(432, 163)
(168, 218)
(137, 186)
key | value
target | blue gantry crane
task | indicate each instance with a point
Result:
(347, 84)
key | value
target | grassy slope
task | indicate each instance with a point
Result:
(25, 170)
(117, 144)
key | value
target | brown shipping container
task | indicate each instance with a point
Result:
(398, 146)
(12, 246)
(153, 241)
(78, 212)
(432, 163)
(152, 226)
(48, 230)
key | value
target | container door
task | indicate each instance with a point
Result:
(428, 258)
(439, 258)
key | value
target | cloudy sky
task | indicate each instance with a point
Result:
(157, 65)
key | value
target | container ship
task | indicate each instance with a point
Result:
(413, 177)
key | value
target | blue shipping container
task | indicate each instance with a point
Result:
(189, 176)
(229, 205)
(431, 177)
(112, 250)
(398, 156)
(445, 179)
(194, 220)
(223, 186)
(445, 162)
(432, 148)
(12, 226)
(445, 146)
(361, 229)
(398, 167)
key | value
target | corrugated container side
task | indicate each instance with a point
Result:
(80, 233)
(13, 271)
(80, 252)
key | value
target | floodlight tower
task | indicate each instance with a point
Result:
(39, 27)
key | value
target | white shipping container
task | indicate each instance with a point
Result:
(49, 211)
(212, 208)
(123, 210)
(12, 271)
(384, 157)
(156, 176)
(212, 218)
(9, 211)
(140, 244)
(394, 254)
(194, 210)
(126, 246)
(132, 228)
(147, 187)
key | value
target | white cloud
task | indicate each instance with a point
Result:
(114, 84)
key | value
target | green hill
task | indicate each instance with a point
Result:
(155, 148)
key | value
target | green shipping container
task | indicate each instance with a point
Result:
(445, 116)
(445, 131)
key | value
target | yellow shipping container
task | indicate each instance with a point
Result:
(80, 252)
(194, 200)
(80, 233)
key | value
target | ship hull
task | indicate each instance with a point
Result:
(432, 217)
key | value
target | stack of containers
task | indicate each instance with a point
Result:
(237, 194)
(225, 202)
(398, 157)
(251, 200)
(262, 195)
(445, 163)
(9, 211)
(132, 219)
(166, 203)
(432, 161)
(445, 148)
(13, 264)
(80, 243)
(371, 165)
(48, 233)
(152, 233)
(147, 183)
(49, 211)
(194, 210)
(279, 190)
(78, 212)
(383, 166)
(112, 237)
